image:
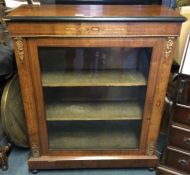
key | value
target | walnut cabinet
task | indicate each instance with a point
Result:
(93, 80)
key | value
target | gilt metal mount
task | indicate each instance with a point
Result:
(20, 48)
(169, 46)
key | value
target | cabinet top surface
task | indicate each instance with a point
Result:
(131, 13)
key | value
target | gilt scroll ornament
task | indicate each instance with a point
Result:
(169, 46)
(20, 48)
(150, 148)
(35, 150)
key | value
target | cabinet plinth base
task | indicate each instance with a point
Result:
(71, 162)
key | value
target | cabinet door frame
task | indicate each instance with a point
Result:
(32, 92)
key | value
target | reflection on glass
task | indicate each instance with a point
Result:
(94, 97)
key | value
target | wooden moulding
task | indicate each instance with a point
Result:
(69, 162)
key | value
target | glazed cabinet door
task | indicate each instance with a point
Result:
(95, 94)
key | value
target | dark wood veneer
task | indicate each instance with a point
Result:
(178, 159)
(134, 13)
(177, 154)
(181, 114)
(180, 137)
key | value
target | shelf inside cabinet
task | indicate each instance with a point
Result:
(93, 111)
(94, 135)
(89, 78)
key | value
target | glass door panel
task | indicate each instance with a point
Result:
(94, 97)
